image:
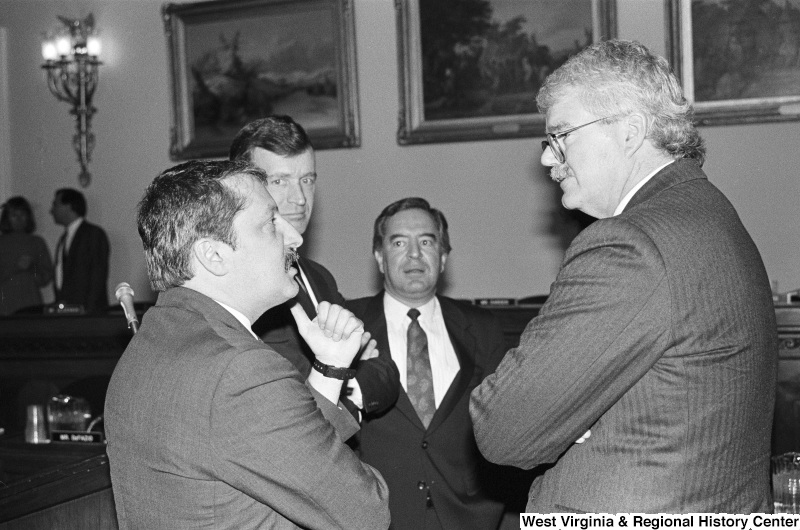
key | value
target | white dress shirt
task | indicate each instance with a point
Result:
(444, 361)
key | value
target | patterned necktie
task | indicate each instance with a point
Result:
(419, 379)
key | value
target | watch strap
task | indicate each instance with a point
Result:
(333, 371)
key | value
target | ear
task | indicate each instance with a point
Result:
(211, 254)
(379, 258)
(635, 132)
(442, 261)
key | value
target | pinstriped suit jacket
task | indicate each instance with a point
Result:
(659, 335)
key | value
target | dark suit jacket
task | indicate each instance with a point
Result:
(442, 461)
(85, 278)
(209, 427)
(378, 378)
(659, 334)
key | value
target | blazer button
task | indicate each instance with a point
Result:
(424, 445)
(421, 485)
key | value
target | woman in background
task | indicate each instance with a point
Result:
(25, 264)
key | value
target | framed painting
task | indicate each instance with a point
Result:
(233, 61)
(471, 69)
(738, 60)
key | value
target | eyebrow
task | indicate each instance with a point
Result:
(432, 235)
(558, 126)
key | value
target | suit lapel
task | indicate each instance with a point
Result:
(464, 345)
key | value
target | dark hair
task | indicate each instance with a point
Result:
(16, 203)
(617, 77)
(277, 134)
(183, 204)
(410, 203)
(74, 199)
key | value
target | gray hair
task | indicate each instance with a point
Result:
(618, 77)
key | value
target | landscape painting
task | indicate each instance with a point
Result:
(739, 60)
(471, 69)
(236, 61)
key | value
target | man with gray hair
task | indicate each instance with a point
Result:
(659, 332)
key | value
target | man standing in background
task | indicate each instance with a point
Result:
(659, 332)
(423, 445)
(281, 147)
(81, 257)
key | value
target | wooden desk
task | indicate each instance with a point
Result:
(64, 486)
(42, 355)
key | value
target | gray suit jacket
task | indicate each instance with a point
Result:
(659, 335)
(209, 427)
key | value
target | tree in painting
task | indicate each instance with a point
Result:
(476, 66)
(745, 48)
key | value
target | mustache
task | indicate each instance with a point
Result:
(290, 258)
(559, 173)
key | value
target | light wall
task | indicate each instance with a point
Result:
(507, 227)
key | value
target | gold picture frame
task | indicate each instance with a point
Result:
(744, 65)
(233, 61)
(470, 70)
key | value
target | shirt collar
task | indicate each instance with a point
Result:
(396, 310)
(240, 317)
(628, 196)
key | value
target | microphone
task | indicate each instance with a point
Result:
(124, 295)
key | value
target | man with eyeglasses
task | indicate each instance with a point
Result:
(659, 332)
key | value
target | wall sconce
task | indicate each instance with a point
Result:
(70, 58)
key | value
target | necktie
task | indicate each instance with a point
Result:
(419, 380)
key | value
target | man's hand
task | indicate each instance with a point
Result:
(369, 348)
(335, 335)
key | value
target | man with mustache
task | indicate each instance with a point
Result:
(281, 147)
(659, 332)
(207, 426)
(424, 445)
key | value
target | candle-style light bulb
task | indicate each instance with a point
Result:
(49, 51)
(93, 46)
(63, 45)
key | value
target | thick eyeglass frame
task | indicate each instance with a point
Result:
(555, 145)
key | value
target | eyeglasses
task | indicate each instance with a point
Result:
(554, 140)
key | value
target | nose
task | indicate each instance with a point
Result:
(413, 249)
(291, 237)
(548, 158)
(296, 194)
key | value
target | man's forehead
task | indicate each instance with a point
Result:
(413, 221)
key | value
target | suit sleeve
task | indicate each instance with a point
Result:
(275, 445)
(602, 328)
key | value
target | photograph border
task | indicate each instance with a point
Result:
(414, 129)
(183, 144)
(729, 112)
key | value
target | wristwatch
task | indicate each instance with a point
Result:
(333, 371)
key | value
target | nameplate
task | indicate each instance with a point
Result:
(76, 437)
(495, 302)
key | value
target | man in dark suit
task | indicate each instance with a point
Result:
(207, 426)
(424, 445)
(281, 147)
(659, 332)
(81, 258)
